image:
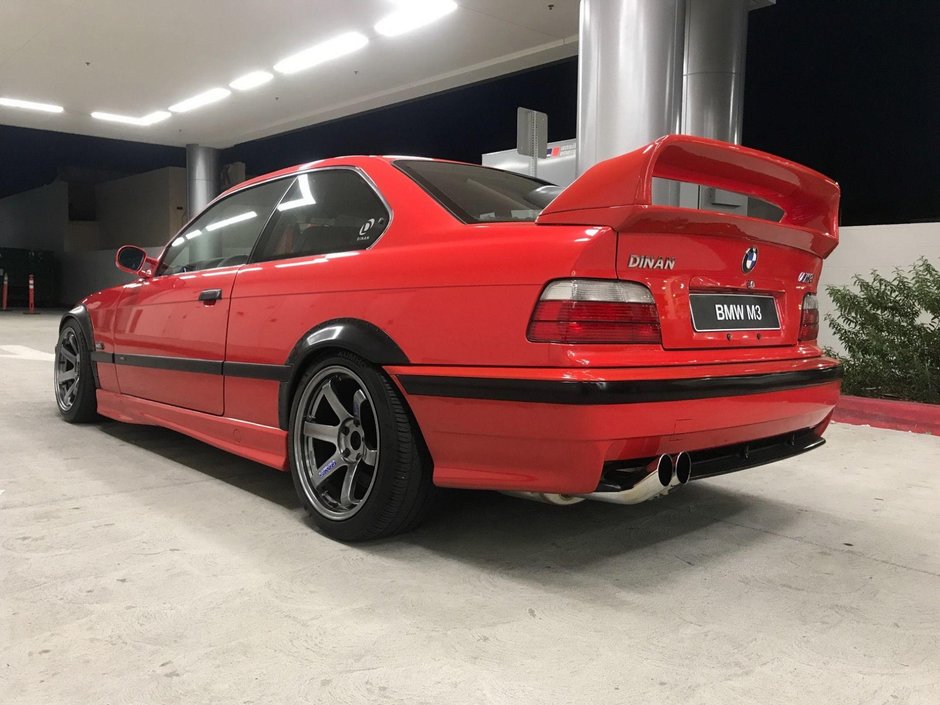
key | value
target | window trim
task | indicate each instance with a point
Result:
(213, 204)
(253, 255)
(447, 203)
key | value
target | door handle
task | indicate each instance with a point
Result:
(210, 296)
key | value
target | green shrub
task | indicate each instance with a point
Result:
(890, 330)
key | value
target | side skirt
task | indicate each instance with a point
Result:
(263, 444)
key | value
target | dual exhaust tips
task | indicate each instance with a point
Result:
(663, 473)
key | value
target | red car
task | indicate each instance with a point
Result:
(382, 325)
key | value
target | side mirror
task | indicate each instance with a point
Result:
(134, 260)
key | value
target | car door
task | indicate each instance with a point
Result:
(169, 341)
(303, 272)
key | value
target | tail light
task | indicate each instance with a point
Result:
(595, 311)
(809, 321)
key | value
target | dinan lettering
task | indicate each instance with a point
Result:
(738, 312)
(644, 262)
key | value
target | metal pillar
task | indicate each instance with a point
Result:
(654, 67)
(713, 73)
(629, 75)
(202, 177)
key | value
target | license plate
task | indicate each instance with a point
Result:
(725, 312)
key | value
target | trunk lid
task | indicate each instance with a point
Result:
(719, 280)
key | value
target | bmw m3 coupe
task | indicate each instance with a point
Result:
(379, 326)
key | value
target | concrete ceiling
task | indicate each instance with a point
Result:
(134, 57)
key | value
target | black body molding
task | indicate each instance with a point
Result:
(619, 392)
(358, 337)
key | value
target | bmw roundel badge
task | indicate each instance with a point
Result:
(750, 260)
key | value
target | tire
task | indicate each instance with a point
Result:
(74, 379)
(358, 464)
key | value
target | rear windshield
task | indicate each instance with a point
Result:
(478, 194)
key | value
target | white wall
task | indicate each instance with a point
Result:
(82, 235)
(36, 219)
(143, 209)
(140, 209)
(881, 248)
(84, 273)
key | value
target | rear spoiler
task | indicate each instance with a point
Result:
(619, 193)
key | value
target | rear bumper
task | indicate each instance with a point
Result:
(553, 430)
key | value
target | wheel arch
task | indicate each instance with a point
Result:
(80, 315)
(354, 335)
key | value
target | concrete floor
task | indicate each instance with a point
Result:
(138, 566)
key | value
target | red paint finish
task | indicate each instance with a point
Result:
(623, 186)
(262, 444)
(457, 300)
(561, 448)
(163, 316)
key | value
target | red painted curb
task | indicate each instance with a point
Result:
(887, 413)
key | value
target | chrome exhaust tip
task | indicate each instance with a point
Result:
(659, 476)
(665, 468)
(683, 468)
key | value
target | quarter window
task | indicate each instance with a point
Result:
(333, 210)
(225, 234)
(479, 194)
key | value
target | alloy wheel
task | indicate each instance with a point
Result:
(336, 442)
(67, 369)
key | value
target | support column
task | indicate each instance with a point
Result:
(713, 75)
(629, 75)
(202, 177)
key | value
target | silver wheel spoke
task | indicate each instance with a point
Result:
(336, 435)
(68, 370)
(358, 398)
(330, 395)
(321, 432)
(345, 496)
(334, 463)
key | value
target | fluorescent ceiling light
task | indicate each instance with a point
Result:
(413, 14)
(197, 101)
(194, 233)
(324, 51)
(30, 105)
(145, 121)
(251, 80)
(178, 241)
(306, 198)
(231, 221)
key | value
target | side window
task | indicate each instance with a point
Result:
(224, 234)
(333, 210)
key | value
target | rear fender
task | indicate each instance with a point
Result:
(358, 337)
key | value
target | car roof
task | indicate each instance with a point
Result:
(357, 160)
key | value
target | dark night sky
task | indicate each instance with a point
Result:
(848, 87)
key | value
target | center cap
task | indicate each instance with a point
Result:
(350, 440)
